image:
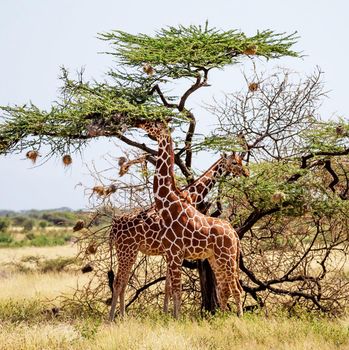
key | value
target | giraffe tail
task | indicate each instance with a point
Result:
(111, 275)
(238, 255)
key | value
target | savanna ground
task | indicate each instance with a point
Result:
(33, 277)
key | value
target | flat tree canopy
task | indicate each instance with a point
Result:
(144, 62)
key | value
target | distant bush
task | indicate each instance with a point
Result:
(21, 310)
(28, 225)
(43, 224)
(5, 239)
(59, 218)
(18, 220)
(44, 240)
(35, 264)
(31, 239)
(4, 224)
(56, 265)
(30, 236)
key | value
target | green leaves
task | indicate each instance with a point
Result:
(328, 136)
(183, 51)
(83, 111)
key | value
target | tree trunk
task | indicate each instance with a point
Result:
(209, 300)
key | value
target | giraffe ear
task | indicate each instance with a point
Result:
(151, 137)
(230, 158)
(242, 155)
(238, 158)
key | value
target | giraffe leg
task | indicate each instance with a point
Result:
(234, 285)
(126, 259)
(167, 292)
(174, 264)
(225, 290)
(235, 290)
(115, 297)
(220, 278)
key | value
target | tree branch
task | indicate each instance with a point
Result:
(188, 140)
(141, 146)
(143, 288)
(335, 180)
(157, 89)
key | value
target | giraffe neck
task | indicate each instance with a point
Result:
(164, 179)
(201, 187)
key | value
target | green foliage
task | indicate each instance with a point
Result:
(182, 51)
(21, 310)
(83, 111)
(43, 224)
(56, 265)
(5, 239)
(267, 185)
(28, 225)
(328, 136)
(42, 227)
(4, 224)
(216, 143)
(44, 240)
(89, 327)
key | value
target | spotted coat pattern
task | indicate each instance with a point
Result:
(189, 234)
(142, 232)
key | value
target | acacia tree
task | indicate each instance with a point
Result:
(269, 123)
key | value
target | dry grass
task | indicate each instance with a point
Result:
(8, 255)
(24, 323)
(230, 333)
(18, 286)
(50, 285)
(255, 333)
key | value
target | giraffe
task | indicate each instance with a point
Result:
(189, 234)
(142, 231)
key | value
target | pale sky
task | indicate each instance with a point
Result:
(39, 36)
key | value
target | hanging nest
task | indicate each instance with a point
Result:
(91, 249)
(278, 197)
(110, 189)
(122, 160)
(104, 191)
(148, 69)
(67, 160)
(340, 131)
(32, 155)
(253, 87)
(99, 190)
(251, 50)
(80, 224)
(87, 268)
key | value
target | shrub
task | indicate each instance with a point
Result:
(55, 265)
(43, 224)
(4, 224)
(28, 225)
(5, 239)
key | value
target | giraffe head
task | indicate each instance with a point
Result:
(155, 129)
(234, 165)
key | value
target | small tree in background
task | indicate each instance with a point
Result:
(298, 169)
(4, 224)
